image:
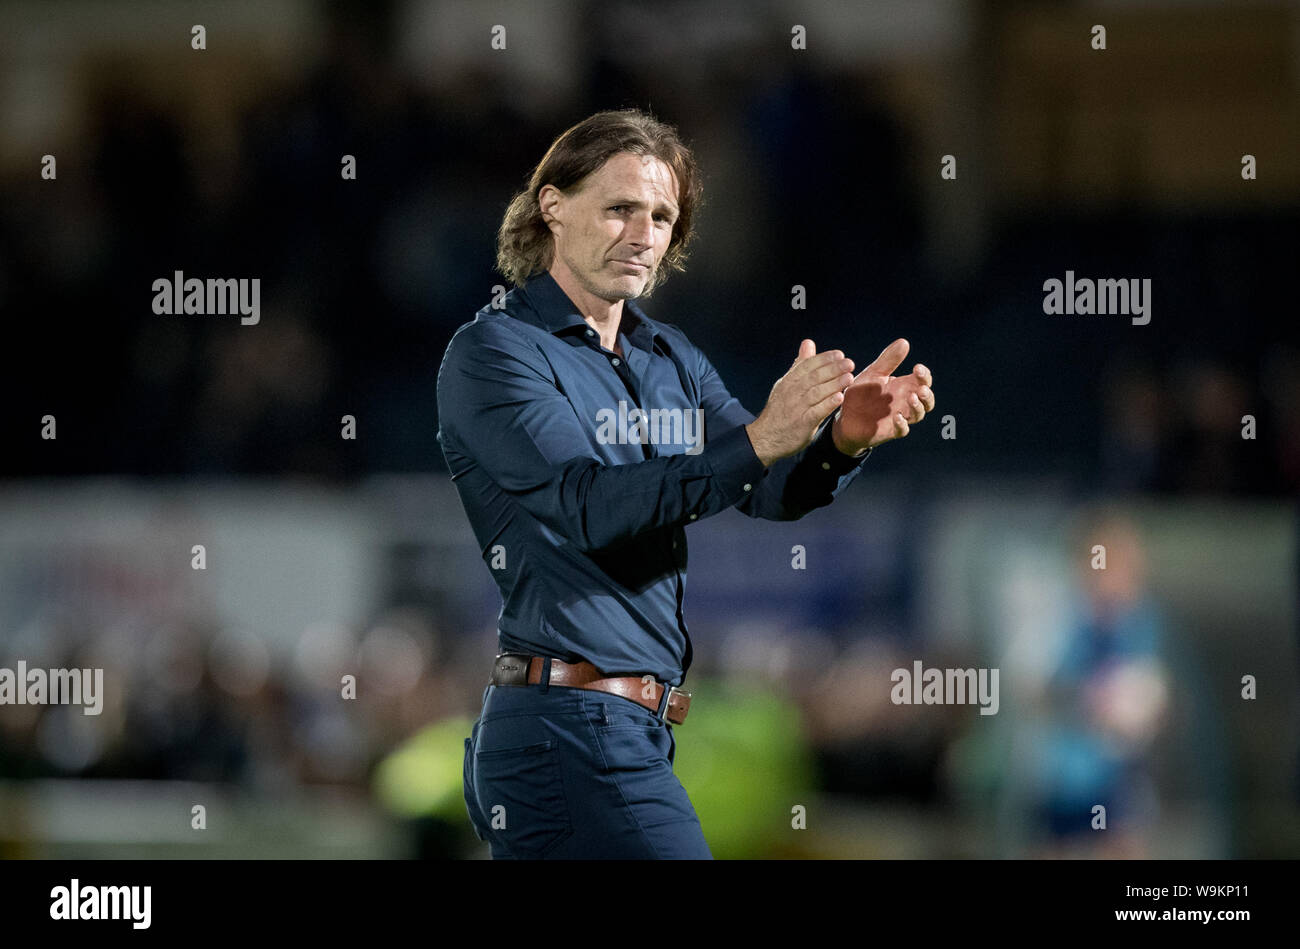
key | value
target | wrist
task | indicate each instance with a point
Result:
(843, 445)
(757, 442)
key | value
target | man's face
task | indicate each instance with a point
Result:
(624, 211)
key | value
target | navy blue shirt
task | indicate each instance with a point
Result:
(579, 469)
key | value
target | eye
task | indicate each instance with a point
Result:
(618, 207)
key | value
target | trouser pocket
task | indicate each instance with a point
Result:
(520, 790)
(636, 752)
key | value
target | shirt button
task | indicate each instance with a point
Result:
(591, 332)
(748, 487)
(826, 466)
(694, 516)
(614, 361)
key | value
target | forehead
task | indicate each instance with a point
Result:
(639, 173)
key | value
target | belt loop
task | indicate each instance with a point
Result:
(546, 674)
(662, 710)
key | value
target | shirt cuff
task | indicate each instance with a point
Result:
(824, 456)
(736, 469)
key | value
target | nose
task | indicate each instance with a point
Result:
(640, 230)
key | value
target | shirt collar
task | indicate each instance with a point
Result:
(556, 313)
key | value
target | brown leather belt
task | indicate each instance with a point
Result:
(514, 669)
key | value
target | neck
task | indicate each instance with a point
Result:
(604, 316)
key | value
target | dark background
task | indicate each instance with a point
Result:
(821, 169)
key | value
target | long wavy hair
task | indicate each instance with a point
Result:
(525, 245)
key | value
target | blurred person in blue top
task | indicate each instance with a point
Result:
(1109, 696)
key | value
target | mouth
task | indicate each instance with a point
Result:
(633, 265)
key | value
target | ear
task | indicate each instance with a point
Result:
(549, 199)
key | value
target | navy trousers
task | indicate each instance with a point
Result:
(554, 772)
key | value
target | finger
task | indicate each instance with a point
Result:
(811, 366)
(916, 409)
(825, 406)
(830, 370)
(806, 348)
(923, 375)
(900, 426)
(830, 386)
(890, 358)
(927, 397)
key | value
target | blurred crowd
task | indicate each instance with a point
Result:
(784, 714)
(198, 702)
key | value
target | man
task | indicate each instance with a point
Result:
(581, 519)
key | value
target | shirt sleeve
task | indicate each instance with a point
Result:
(791, 487)
(500, 405)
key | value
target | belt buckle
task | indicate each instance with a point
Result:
(673, 690)
(510, 668)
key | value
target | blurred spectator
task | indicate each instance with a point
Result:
(1105, 705)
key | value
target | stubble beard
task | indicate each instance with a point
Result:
(615, 290)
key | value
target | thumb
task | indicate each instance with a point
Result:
(809, 348)
(890, 359)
